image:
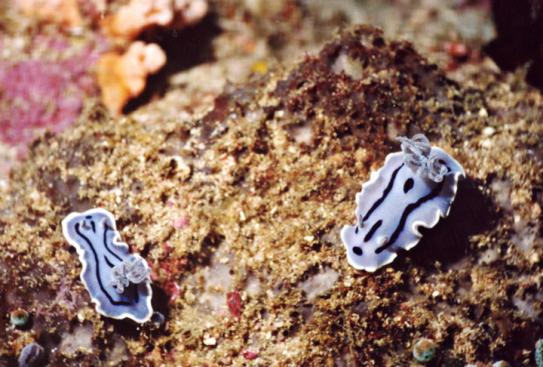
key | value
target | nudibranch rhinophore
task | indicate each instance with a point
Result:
(414, 188)
(117, 281)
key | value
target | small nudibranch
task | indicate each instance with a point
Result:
(117, 281)
(414, 188)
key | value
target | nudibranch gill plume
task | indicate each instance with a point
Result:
(414, 188)
(117, 281)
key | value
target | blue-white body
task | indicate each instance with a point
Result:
(94, 235)
(395, 202)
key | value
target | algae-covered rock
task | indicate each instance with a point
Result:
(250, 198)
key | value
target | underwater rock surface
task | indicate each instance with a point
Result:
(248, 200)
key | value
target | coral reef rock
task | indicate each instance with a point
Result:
(122, 77)
(273, 168)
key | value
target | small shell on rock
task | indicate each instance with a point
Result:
(538, 353)
(424, 350)
(157, 319)
(19, 317)
(31, 355)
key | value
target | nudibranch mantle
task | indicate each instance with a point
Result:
(414, 188)
(117, 281)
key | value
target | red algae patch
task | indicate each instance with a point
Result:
(234, 303)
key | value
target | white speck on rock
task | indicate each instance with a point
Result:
(525, 307)
(215, 280)
(489, 256)
(346, 64)
(502, 191)
(210, 341)
(79, 340)
(118, 353)
(489, 131)
(253, 287)
(302, 134)
(525, 237)
(483, 112)
(319, 283)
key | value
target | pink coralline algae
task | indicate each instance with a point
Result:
(250, 355)
(181, 222)
(38, 94)
(173, 290)
(136, 15)
(167, 271)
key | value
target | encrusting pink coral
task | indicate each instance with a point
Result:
(131, 19)
(137, 15)
(122, 77)
(38, 93)
(139, 61)
(189, 12)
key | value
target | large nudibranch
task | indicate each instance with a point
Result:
(414, 188)
(117, 281)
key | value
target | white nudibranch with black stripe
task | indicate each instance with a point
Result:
(117, 281)
(414, 188)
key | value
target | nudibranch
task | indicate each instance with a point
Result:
(117, 281)
(414, 188)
